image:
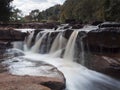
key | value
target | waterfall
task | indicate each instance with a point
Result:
(82, 50)
(29, 40)
(58, 44)
(38, 36)
(55, 44)
(77, 76)
(48, 42)
(69, 51)
(35, 48)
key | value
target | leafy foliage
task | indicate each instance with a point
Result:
(5, 10)
(90, 10)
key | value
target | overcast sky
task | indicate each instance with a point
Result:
(27, 5)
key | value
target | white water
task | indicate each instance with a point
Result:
(82, 51)
(29, 39)
(58, 44)
(77, 76)
(38, 36)
(35, 48)
(69, 51)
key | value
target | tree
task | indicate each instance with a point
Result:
(16, 15)
(34, 14)
(90, 10)
(5, 10)
(112, 10)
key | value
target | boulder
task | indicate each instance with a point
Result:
(13, 82)
(11, 35)
(103, 40)
(77, 26)
(109, 25)
(107, 64)
(67, 33)
(95, 23)
(36, 73)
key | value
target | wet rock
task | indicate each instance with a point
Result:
(77, 26)
(5, 45)
(11, 35)
(109, 25)
(95, 23)
(47, 74)
(14, 52)
(10, 53)
(67, 33)
(103, 40)
(107, 64)
(66, 27)
(12, 82)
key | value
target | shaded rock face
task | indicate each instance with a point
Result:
(5, 45)
(67, 33)
(109, 25)
(95, 23)
(30, 25)
(107, 64)
(12, 35)
(77, 26)
(103, 40)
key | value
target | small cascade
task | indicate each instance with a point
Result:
(29, 40)
(82, 50)
(18, 45)
(48, 42)
(69, 52)
(55, 44)
(58, 44)
(62, 42)
(38, 36)
(35, 48)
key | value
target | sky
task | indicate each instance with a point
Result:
(27, 5)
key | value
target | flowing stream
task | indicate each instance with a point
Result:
(77, 76)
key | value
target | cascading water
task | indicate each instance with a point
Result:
(29, 40)
(58, 44)
(77, 76)
(35, 48)
(82, 51)
(38, 36)
(69, 51)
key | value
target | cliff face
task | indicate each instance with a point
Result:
(103, 40)
(11, 35)
(103, 48)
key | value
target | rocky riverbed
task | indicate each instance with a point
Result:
(51, 79)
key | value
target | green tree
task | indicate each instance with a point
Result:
(16, 15)
(90, 10)
(34, 14)
(5, 10)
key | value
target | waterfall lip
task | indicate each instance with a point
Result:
(25, 29)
